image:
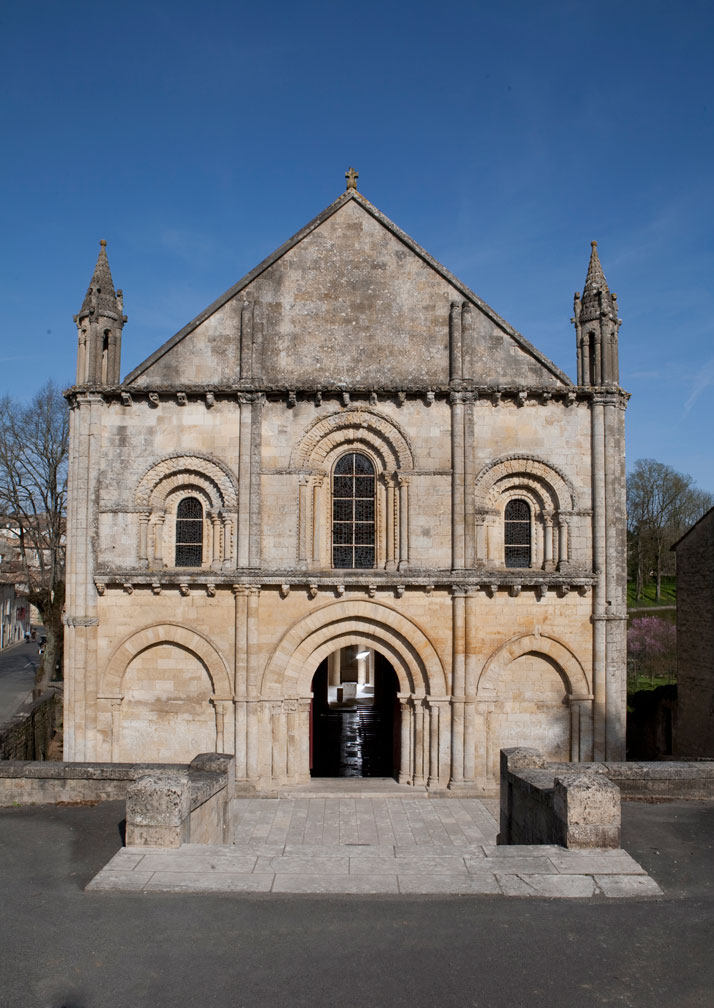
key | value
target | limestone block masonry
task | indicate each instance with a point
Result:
(347, 458)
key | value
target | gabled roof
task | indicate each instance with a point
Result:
(707, 514)
(350, 195)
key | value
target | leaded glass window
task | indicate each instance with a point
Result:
(517, 534)
(189, 533)
(353, 484)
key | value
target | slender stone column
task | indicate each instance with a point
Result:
(302, 520)
(116, 728)
(278, 736)
(405, 761)
(315, 519)
(458, 684)
(547, 540)
(470, 673)
(226, 708)
(240, 595)
(216, 528)
(388, 480)
(433, 779)
(227, 542)
(244, 480)
(144, 537)
(467, 341)
(159, 520)
(293, 743)
(255, 506)
(252, 657)
(419, 742)
(218, 713)
(303, 721)
(455, 356)
(563, 536)
(403, 522)
(599, 589)
(457, 480)
(469, 480)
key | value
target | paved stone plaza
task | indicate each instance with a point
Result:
(373, 845)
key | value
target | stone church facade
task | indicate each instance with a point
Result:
(348, 482)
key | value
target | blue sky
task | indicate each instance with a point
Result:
(502, 136)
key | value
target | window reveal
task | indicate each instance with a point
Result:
(517, 534)
(353, 512)
(189, 533)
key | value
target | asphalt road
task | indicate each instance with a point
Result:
(17, 677)
(64, 948)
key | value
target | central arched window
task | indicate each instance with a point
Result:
(517, 533)
(353, 495)
(189, 533)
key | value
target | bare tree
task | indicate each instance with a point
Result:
(661, 504)
(34, 446)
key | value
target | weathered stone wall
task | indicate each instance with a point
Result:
(350, 339)
(695, 641)
(29, 735)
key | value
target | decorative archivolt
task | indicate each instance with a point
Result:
(550, 489)
(293, 663)
(184, 471)
(566, 663)
(359, 425)
(111, 686)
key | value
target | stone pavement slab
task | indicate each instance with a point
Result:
(372, 845)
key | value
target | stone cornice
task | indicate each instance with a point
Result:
(466, 392)
(490, 582)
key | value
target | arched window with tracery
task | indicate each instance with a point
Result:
(353, 512)
(189, 533)
(517, 533)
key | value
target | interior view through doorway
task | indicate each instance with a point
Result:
(355, 715)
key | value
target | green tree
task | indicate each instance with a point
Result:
(661, 505)
(34, 448)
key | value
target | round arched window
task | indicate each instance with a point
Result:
(517, 533)
(189, 533)
(353, 487)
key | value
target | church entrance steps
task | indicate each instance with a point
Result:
(373, 845)
(351, 787)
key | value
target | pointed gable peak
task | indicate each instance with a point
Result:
(101, 298)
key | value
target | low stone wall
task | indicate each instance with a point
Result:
(167, 808)
(578, 804)
(53, 783)
(29, 734)
(542, 805)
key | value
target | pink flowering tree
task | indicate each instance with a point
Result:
(652, 648)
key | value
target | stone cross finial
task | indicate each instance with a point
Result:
(351, 175)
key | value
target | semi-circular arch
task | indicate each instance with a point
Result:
(291, 667)
(165, 633)
(572, 672)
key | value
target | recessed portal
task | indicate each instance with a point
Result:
(355, 715)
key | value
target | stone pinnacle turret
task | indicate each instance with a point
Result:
(99, 323)
(596, 326)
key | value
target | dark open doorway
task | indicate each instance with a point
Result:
(355, 715)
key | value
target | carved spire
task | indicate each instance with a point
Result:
(101, 296)
(99, 323)
(596, 327)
